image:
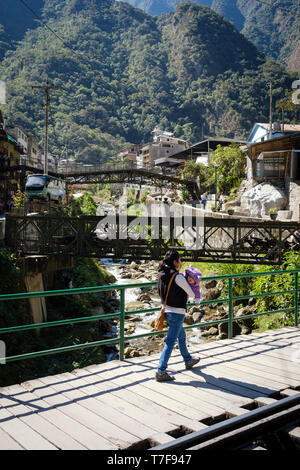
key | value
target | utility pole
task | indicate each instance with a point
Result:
(47, 89)
(271, 111)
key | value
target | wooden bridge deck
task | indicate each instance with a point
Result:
(118, 405)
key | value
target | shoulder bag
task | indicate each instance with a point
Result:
(159, 322)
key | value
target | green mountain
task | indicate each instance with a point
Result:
(15, 20)
(123, 72)
(273, 27)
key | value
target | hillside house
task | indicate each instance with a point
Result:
(132, 152)
(164, 145)
(201, 151)
(9, 157)
(277, 161)
(261, 131)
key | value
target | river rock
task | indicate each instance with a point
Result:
(144, 298)
(210, 284)
(111, 278)
(211, 294)
(211, 332)
(134, 306)
(188, 320)
(133, 265)
(223, 330)
(198, 315)
(131, 352)
(247, 323)
(126, 275)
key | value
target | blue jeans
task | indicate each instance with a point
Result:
(175, 333)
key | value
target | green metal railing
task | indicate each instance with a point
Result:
(122, 313)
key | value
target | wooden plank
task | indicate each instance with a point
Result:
(23, 434)
(216, 385)
(180, 393)
(230, 406)
(93, 420)
(233, 359)
(285, 360)
(85, 422)
(8, 443)
(295, 436)
(289, 392)
(265, 364)
(72, 428)
(118, 411)
(216, 405)
(160, 439)
(132, 393)
(166, 401)
(32, 418)
(263, 401)
(236, 378)
(163, 399)
(105, 399)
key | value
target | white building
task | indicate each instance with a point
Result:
(260, 131)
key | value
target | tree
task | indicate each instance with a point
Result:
(231, 167)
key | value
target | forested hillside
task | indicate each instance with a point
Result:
(123, 72)
(272, 26)
(15, 20)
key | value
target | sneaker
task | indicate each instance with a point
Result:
(190, 364)
(163, 377)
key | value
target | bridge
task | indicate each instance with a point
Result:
(117, 404)
(227, 240)
(110, 174)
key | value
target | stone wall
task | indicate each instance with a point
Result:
(294, 203)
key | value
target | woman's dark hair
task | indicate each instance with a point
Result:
(168, 261)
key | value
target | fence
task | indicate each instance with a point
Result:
(122, 313)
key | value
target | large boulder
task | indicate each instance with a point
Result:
(263, 197)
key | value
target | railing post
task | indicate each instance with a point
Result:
(122, 321)
(296, 304)
(230, 308)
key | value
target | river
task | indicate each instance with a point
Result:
(141, 323)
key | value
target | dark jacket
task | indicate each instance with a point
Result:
(177, 296)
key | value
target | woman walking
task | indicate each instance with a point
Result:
(179, 292)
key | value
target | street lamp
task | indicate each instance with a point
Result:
(216, 167)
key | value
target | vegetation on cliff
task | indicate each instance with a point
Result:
(123, 72)
(273, 27)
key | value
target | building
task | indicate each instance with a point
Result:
(201, 151)
(132, 152)
(164, 145)
(34, 151)
(277, 161)
(10, 153)
(19, 135)
(261, 131)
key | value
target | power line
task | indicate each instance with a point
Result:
(77, 52)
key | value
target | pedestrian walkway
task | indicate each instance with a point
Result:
(119, 405)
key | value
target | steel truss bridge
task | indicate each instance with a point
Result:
(113, 174)
(229, 240)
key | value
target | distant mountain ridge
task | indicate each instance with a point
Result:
(123, 72)
(273, 27)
